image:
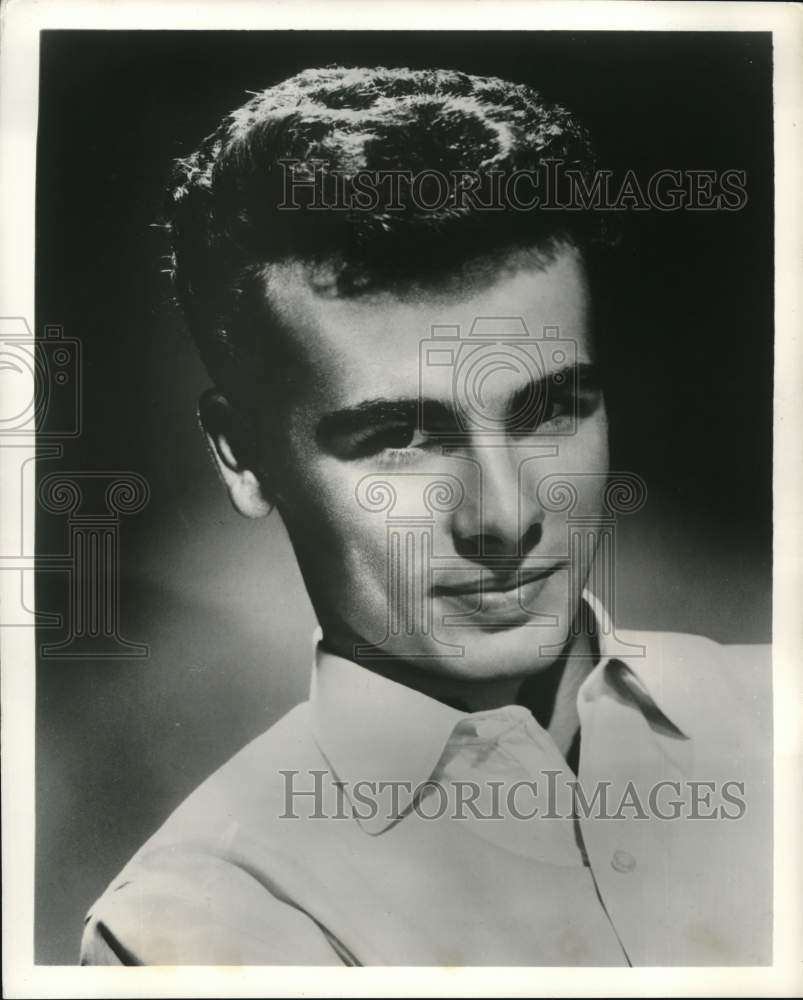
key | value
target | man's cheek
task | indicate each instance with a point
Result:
(584, 453)
(319, 497)
(365, 546)
(335, 517)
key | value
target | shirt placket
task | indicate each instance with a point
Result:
(628, 847)
(552, 837)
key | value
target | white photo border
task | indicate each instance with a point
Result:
(22, 21)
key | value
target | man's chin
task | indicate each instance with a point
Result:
(495, 653)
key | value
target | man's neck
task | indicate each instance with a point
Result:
(550, 692)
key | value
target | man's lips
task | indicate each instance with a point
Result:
(489, 585)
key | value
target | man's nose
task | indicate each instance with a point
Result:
(501, 516)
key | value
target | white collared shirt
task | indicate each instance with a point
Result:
(375, 825)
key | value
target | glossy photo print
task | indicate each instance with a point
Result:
(403, 484)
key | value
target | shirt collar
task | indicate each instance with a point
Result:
(656, 685)
(374, 729)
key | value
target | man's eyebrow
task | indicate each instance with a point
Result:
(375, 412)
(582, 374)
(372, 413)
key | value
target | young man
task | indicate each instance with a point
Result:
(406, 340)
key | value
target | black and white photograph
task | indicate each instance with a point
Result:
(397, 491)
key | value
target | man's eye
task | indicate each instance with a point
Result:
(556, 408)
(396, 438)
(560, 406)
(547, 412)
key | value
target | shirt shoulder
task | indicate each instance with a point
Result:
(200, 890)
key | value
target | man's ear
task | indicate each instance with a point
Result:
(232, 442)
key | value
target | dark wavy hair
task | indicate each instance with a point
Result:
(224, 201)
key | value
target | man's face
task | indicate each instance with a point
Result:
(414, 483)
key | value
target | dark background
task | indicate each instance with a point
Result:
(218, 599)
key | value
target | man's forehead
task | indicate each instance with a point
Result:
(379, 335)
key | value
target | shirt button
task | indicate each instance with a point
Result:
(623, 861)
